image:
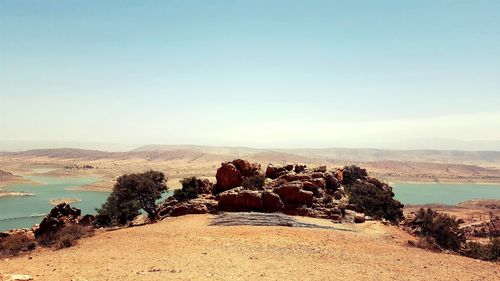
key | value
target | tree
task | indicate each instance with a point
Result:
(133, 192)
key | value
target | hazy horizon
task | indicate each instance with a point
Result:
(441, 145)
(264, 74)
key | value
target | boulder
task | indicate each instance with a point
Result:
(331, 181)
(289, 167)
(49, 225)
(292, 177)
(359, 218)
(337, 195)
(299, 168)
(188, 207)
(292, 193)
(274, 171)
(246, 168)
(209, 201)
(65, 210)
(320, 169)
(239, 199)
(86, 220)
(271, 202)
(339, 174)
(317, 175)
(228, 177)
(355, 208)
(140, 220)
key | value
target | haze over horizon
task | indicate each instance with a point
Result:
(280, 74)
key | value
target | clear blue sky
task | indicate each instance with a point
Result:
(255, 73)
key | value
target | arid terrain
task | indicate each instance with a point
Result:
(178, 162)
(190, 248)
(212, 247)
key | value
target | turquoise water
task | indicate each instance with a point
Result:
(25, 211)
(410, 193)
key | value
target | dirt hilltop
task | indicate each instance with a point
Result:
(190, 248)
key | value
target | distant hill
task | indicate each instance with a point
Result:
(347, 154)
(213, 153)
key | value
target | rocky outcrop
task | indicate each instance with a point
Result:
(290, 189)
(60, 216)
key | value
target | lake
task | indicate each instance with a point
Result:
(26, 211)
(423, 193)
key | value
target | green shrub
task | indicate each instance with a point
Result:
(442, 227)
(15, 244)
(350, 174)
(254, 182)
(65, 237)
(188, 191)
(487, 252)
(131, 193)
(376, 202)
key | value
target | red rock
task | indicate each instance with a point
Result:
(246, 168)
(185, 208)
(239, 199)
(204, 186)
(273, 172)
(292, 193)
(337, 195)
(228, 177)
(299, 168)
(359, 218)
(271, 202)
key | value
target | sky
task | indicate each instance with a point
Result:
(379, 74)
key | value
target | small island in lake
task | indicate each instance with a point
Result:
(55, 202)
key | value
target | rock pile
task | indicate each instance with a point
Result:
(290, 189)
(60, 216)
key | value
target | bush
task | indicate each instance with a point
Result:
(426, 243)
(15, 244)
(442, 227)
(350, 174)
(188, 191)
(65, 237)
(254, 182)
(131, 193)
(376, 202)
(487, 252)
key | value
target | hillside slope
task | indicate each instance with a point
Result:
(189, 248)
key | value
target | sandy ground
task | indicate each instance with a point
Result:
(188, 248)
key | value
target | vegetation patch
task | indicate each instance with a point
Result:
(14, 244)
(66, 237)
(188, 191)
